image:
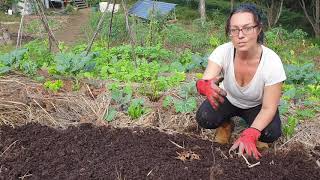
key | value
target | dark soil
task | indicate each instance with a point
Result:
(33, 151)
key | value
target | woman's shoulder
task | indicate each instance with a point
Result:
(270, 53)
(225, 48)
(228, 45)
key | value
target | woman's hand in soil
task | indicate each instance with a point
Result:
(210, 89)
(248, 142)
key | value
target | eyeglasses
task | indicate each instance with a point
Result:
(245, 30)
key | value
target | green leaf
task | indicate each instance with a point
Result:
(290, 126)
(13, 57)
(29, 67)
(116, 95)
(136, 109)
(4, 69)
(63, 62)
(289, 94)
(306, 113)
(167, 101)
(284, 107)
(111, 115)
(185, 106)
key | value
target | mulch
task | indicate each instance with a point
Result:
(34, 151)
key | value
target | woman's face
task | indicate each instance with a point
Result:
(244, 31)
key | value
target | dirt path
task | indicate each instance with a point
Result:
(71, 31)
(38, 152)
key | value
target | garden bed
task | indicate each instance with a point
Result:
(34, 151)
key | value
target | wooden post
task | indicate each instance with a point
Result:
(44, 20)
(130, 32)
(88, 49)
(110, 24)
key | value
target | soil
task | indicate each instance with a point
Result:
(33, 151)
(71, 32)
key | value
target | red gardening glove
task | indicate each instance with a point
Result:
(212, 91)
(248, 142)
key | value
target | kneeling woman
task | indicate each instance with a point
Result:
(251, 86)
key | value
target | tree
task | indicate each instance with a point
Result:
(314, 18)
(274, 9)
(202, 9)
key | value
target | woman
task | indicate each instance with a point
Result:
(251, 86)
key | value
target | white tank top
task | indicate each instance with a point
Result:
(269, 72)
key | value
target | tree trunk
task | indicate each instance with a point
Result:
(315, 23)
(273, 12)
(202, 9)
(317, 31)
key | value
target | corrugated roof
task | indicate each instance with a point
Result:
(143, 7)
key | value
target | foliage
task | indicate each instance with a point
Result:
(54, 86)
(185, 106)
(289, 128)
(110, 114)
(69, 63)
(11, 60)
(35, 26)
(93, 2)
(29, 59)
(305, 98)
(215, 41)
(187, 103)
(118, 33)
(177, 35)
(121, 96)
(70, 9)
(305, 74)
(136, 108)
(6, 4)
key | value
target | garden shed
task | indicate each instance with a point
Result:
(143, 8)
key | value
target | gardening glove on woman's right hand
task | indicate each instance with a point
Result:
(247, 142)
(211, 90)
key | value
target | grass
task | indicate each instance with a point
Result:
(7, 18)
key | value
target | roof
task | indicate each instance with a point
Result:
(143, 7)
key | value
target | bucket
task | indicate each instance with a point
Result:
(9, 11)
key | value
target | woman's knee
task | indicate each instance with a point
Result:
(207, 117)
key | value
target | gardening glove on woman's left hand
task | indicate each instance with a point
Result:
(248, 142)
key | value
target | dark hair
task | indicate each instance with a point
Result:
(251, 8)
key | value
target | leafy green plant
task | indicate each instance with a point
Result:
(121, 96)
(187, 103)
(177, 36)
(69, 63)
(289, 128)
(305, 74)
(305, 113)
(167, 101)
(11, 60)
(215, 41)
(54, 86)
(185, 106)
(110, 115)
(188, 89)
(136, 108)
